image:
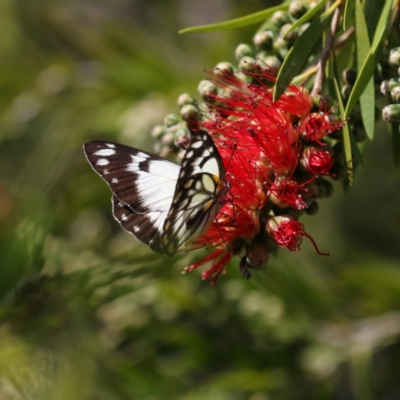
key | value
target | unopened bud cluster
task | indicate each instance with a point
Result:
(391, 88)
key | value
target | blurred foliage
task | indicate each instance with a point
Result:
(89, 313)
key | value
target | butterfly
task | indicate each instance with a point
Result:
(164, 205)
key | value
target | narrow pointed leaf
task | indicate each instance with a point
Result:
(367, 98)
(300, 51)
(348, 13)
(368, 66)
(237, 22)
(346, 137)
(372, 12)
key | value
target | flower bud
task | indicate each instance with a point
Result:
(256, 257)
(316, 160)
(264, 58)
(395, 94)
(291, 36)
(387, 86)
(243, 50)
(391, 113)
(349, 76)
(346, 90)
(223, 68)
(394, 57)
(264, 39)
(185, 99)
(280, 18)
(189, 112)
(207, 89)
(158, 131)
(247, 64)
(297, 9)
(243, 77)
(280, 45)
(172, 119)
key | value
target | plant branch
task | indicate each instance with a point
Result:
(319, 78)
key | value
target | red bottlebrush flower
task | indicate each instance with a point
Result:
(219, 258)
(316, 126)
(260, 142)
(289, 233)
(316, 160)
(285, 192)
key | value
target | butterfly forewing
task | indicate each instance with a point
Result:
(143, 185)
(197, 194)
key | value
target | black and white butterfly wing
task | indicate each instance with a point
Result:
(196, 199)
(143, 187)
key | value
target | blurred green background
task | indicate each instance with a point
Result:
(89, 313)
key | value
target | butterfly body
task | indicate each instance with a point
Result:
(164, 205)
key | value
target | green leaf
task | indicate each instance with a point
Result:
(348, 13)
(372, 11)
(367, 98)
(368, 67)
(396, 143)
(237, 22)
(346, 137)
(307, 16)
(300, 51)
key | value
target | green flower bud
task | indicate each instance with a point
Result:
(243, 77)
(247, 64)
(224, 67)
(297, 9)
(387, 86)
(263, 40)
(394, 57)
(184, 99)
(280, 46)
(264, 58)
(206, 89)
(243, 50)
(189, 112)
(172, 119)
(391, 113)
(349, 76)
(280, 18)
(346, 90)
(291, 36)
(395, 94)
(158, 131)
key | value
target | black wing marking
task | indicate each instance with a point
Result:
(143, 187)
(195, 203)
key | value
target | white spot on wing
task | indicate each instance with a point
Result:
(196, 145)
(165, 169)
(102, 161)
(110, 145)
(114, 180)
(104, 152)
(211, 166)
(132, 167)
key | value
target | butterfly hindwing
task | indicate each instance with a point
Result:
(198, 189)
(143, 187)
